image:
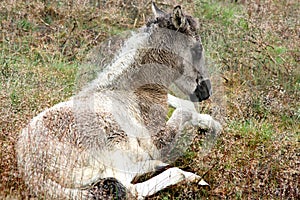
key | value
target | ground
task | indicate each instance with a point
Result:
(252, 49)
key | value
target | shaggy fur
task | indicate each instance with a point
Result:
(92, 146)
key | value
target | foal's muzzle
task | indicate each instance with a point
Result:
(203, 91)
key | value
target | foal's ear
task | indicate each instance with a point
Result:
(178, 18)
(156, 11)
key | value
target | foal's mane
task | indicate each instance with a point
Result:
(126, 56)
(123, 59)
(167, 21)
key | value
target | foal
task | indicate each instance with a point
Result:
(93, 145)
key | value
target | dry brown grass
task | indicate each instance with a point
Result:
(254, 43)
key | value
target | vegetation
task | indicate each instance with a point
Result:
(253, 46)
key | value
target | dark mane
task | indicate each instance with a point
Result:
(170, 21)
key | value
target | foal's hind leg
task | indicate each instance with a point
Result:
(167, 178)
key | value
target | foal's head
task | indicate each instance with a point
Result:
(174, 36)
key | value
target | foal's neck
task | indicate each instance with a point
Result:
(152, 99)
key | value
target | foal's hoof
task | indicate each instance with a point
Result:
(203, 183)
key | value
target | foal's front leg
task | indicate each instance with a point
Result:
(184, 115)
(176, 102)
(185, 112)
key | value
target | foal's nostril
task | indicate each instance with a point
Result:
(202, 92)
(207, 86)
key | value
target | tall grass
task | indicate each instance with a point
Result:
(254, 44)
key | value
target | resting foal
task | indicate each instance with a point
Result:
(93, 145)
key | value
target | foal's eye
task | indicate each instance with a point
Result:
(197, 48)
(197, 51)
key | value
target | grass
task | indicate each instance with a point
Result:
(253, 46)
